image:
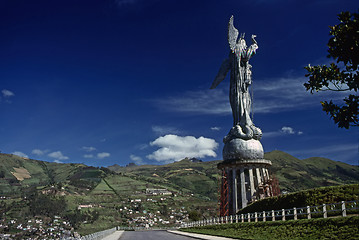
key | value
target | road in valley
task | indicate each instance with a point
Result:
(152, 235)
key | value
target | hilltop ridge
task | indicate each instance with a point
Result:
(190, 175)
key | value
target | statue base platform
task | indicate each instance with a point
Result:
(244, 163)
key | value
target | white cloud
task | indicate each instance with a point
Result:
(347, 152)
(198, 102)
(57, 161)
(142, 146)
(175, 148)
(58, 155)
(287, 130)
(215, 128)
(270, 95)
(88, 149)
(138, 160)
(283, 131)
(337, 148)
(20, 154)
(287, 94)
(39, 152)
(88, 156)
(103, 155)
(163, 130)
(7, 93)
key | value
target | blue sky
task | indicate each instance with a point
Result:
(118, 81)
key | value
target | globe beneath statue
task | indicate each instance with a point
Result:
(239, 149)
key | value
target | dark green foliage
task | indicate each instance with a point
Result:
(77, 217)
(312, 197)
(82, 183)
(87, 178)
(106, 170)
(49, 172)
(194, 215)
(2, 174)
(329, 228)
(344, 48)
(45, 205)
(164, 210)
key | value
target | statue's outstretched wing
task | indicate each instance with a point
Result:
(232, 35)
(222, 73)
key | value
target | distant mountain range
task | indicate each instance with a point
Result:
(188, 175)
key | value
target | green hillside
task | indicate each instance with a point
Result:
(199, 178)
(294, 174)
(18, 173)
(101, 198)
(187, 176)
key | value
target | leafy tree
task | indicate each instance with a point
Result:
(164, 210)
(75, 218)
(46, 205)
(194, 215)
(342, 75)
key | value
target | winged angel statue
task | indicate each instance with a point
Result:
(240, 80)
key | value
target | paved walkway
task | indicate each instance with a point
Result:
(114, 236)
(199, 236)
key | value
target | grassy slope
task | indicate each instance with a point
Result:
(329, 228)
(184, 176)
(294, 174)
(200, 178)
(311, 197)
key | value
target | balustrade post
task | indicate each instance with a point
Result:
(264, 216)
(242, 217)
(226, 219)
(236, 218)
(249, 217)
(231, 219)
(283, 215)
(295, 213)
(273, 216)
(255, 217)
(325, 214)
(309, 215)
(344, 211)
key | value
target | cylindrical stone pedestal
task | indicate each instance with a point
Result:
(247, 173)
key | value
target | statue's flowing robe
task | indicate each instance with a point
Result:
(240, 80)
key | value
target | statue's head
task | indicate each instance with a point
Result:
(241, 41)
